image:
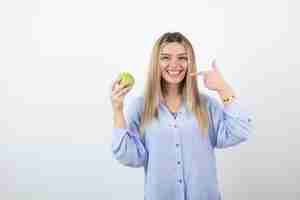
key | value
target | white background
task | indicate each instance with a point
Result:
(59, 57)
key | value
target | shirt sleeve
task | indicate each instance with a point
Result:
(229, 125)
(127, 144)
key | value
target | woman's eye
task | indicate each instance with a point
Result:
(164, 58)
(182, 58)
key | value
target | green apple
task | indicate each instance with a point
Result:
(126, 79)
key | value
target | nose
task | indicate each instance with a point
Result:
(174, 62)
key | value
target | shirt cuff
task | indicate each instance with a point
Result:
(233, 109)
(117, 136)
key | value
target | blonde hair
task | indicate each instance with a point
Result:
(155, 89)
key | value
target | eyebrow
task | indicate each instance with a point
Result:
(170, 54)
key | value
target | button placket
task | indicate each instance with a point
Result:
(178, 156)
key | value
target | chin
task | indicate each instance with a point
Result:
(173, 80)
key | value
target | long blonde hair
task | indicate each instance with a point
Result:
(155, 89)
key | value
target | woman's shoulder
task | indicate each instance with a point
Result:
(138, 100)
(136, 103)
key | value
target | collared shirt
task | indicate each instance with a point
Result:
(174, 114)
(178, 160)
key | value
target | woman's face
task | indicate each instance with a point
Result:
(173, 62)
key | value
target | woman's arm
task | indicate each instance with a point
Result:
(229, 124)
(127, 145)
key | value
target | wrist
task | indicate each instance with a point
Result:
(226, 93)
(117, 111)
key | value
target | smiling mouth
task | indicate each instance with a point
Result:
(174, 72)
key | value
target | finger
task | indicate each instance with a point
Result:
(197, 73)
(118, 89)
(117, 81)
(121, 89)
(213, 65)
(123, 92)
(115, 93)
(119, 86)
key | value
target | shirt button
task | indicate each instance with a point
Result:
(180, 181)
(177, 145)
(178, 162)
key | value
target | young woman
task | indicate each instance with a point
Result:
(173, 128)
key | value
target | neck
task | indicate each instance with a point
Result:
(173, 91)
(173, 99)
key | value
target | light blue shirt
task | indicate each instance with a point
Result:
(179, 162)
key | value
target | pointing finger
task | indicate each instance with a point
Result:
(197, 73)
(213, 65)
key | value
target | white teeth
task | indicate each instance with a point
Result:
(174, 72)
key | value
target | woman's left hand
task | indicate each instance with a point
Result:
(213, 78)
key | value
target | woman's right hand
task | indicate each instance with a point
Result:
(118, 92)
